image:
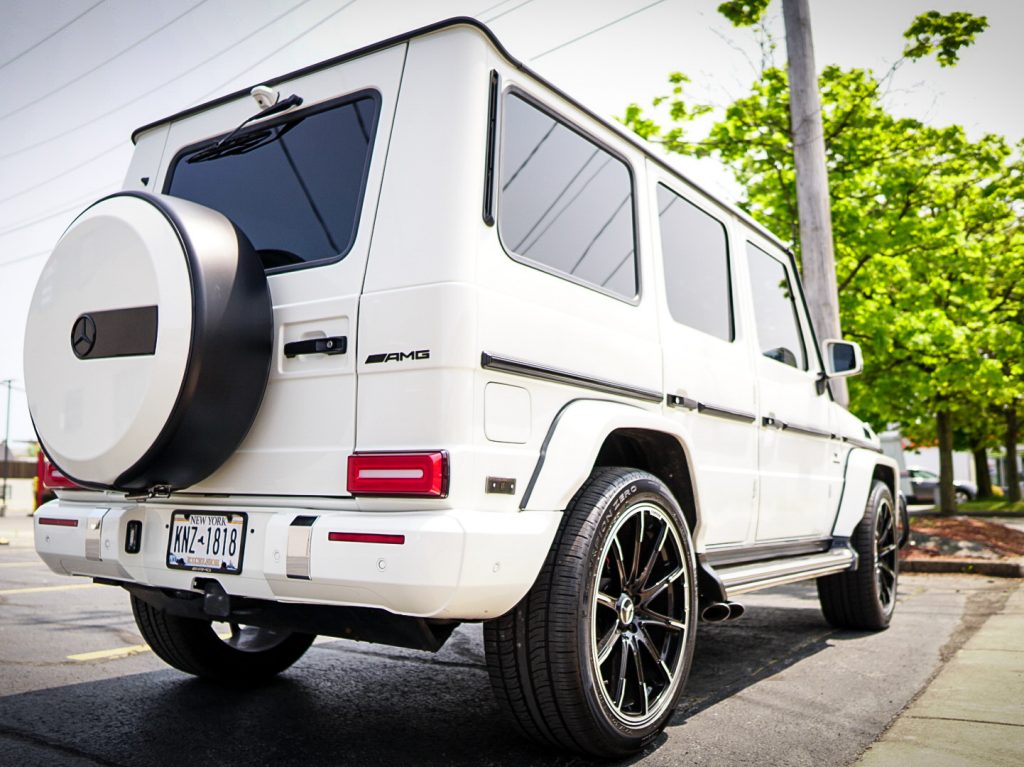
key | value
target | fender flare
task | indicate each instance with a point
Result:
(860, 472)
(575, 437)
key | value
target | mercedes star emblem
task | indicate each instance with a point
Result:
(83, 336)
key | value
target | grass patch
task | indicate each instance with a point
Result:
(993, 506)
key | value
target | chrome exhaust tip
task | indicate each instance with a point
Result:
(716, 612)
(736, 610)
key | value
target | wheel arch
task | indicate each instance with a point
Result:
(592, 433)
(863, 467)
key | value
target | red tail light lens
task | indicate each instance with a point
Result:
(415, 474)
(51, 477)
(367, 538)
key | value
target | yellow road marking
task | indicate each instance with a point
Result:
(23, 563)
(33, 589)
(120, 652)
(117, 652)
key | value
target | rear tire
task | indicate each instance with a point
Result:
(865, 598)
(250, 656)
(594, 657)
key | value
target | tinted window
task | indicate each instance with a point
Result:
(294, 186)
(778, 330)
(696, 260)
(565, 203)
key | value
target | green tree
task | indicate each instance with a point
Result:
(928, 248)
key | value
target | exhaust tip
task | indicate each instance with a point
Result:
(716, 612)
(736, 610)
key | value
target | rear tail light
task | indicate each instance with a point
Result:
(51, 477)
(367, 538)
(411, 474)
(58, 521)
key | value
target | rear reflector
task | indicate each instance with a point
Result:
(418, 474)
(366, 538)
(58, 522)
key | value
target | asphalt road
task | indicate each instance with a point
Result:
(776, 687)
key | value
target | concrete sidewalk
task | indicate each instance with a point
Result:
(972, 713)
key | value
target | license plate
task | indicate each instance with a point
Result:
(211, 543)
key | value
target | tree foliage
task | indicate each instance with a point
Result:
(929, 245)
(943, 35)
(744, 13)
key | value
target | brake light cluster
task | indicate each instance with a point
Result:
(422, 475)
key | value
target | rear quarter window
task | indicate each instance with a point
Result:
(566, 203)
(294, 185)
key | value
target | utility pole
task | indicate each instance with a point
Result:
(7, 439)
(814, 210)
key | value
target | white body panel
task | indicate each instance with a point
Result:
(526, 375)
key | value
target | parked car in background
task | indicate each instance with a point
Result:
(923, 484)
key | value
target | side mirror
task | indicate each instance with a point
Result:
(842, 358)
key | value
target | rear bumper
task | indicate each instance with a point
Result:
(455, 564)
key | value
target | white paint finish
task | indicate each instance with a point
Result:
(507, 416)
(146, 159)
(305, 428)
(98, 417)
(800, 482)
(457, 563)
(859, 472)
(432, 196)
(713, 372)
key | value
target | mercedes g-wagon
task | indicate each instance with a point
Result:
(411, 338)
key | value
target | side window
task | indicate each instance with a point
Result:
(778, 329)
(566, 204)
(696, 257)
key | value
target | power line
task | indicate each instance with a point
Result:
(505, 13)
(54, 212)
(598, 29)
(491, 8)
(274, 52)
(202, 98)
(52, 34)
(103, 63)
(29, 257)
(153, 88)
(63, 173)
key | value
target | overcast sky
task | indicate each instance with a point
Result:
(78, 75)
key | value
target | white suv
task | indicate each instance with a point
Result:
(414, 339)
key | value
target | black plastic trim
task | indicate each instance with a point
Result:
(468, 21)
(530, 370)
(129, 332)
(810, 431)
(739, 554)
(327, 345)
(862, 444)
(492, 141)
(543, 455)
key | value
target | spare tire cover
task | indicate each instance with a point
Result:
(148, 344)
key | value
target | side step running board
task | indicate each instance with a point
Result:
(740, 579)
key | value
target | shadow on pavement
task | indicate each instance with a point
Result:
(361, 704)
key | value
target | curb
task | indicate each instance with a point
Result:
(969, 514)
(1013, 569)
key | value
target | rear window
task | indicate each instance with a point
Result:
(294, 185)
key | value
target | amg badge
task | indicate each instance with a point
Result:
(422, 354)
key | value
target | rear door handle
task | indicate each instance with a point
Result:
(329, 345)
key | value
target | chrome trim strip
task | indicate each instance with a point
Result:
(93, 534)
(674, 400)
(810, 431)
(861, 443)
(741, 579)
(300, 540)
(530, 370)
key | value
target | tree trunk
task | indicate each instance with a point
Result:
(818, 263)
(947, 497)
(981, 472)
(1012, 475)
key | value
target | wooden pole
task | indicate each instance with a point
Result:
(818, 262)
